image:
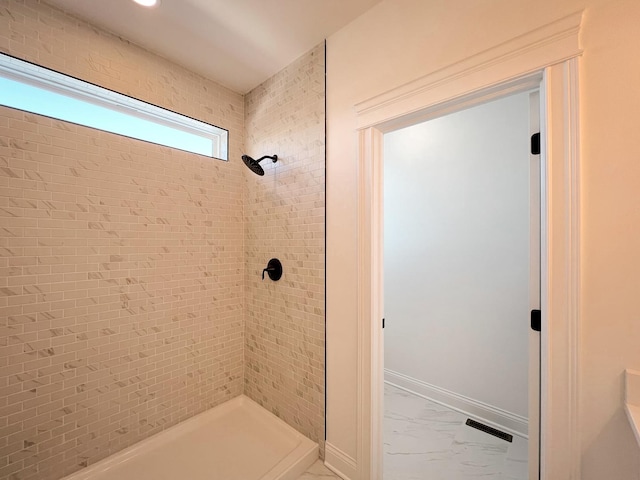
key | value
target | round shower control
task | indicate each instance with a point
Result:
(274, 270)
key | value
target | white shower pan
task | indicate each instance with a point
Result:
(238, 440)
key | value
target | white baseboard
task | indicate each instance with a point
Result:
(339, 462)
(493, 416)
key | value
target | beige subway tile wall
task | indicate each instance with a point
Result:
(284, 218)
(122, 262)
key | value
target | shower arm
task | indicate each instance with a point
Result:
(274, 158)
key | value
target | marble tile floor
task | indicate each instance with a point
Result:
(427, 441)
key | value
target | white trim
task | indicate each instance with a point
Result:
(550, 51)
(370, 375)
(572, 154)
(339, 462)
(560, 271)
(548, 45)
(536, 187)
(488, 414)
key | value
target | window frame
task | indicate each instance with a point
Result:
(34, 75)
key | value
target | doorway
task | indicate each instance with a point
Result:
(461, 275)
(545, 58)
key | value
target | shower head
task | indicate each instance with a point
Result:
(254, 165)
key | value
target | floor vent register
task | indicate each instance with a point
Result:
(490, 430)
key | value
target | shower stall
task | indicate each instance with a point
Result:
(132, 303)
(237, 440)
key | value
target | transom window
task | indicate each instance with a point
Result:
(36, 89)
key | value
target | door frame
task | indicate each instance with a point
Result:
(536, 187)
(545, 58)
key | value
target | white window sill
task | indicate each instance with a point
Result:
(632, 401)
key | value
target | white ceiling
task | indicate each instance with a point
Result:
(238, 43)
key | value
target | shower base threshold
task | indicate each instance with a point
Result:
(238, 440)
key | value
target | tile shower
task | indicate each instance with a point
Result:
(284, 217)
(131, 296)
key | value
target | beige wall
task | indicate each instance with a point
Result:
(401, 40)
(284, 218)
(121, 285)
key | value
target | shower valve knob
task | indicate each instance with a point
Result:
(274, 270)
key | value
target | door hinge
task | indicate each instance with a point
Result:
(536, 320)
(535, 144)
(383, 323)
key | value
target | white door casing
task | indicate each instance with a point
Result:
(546, 58)
(535, 191)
